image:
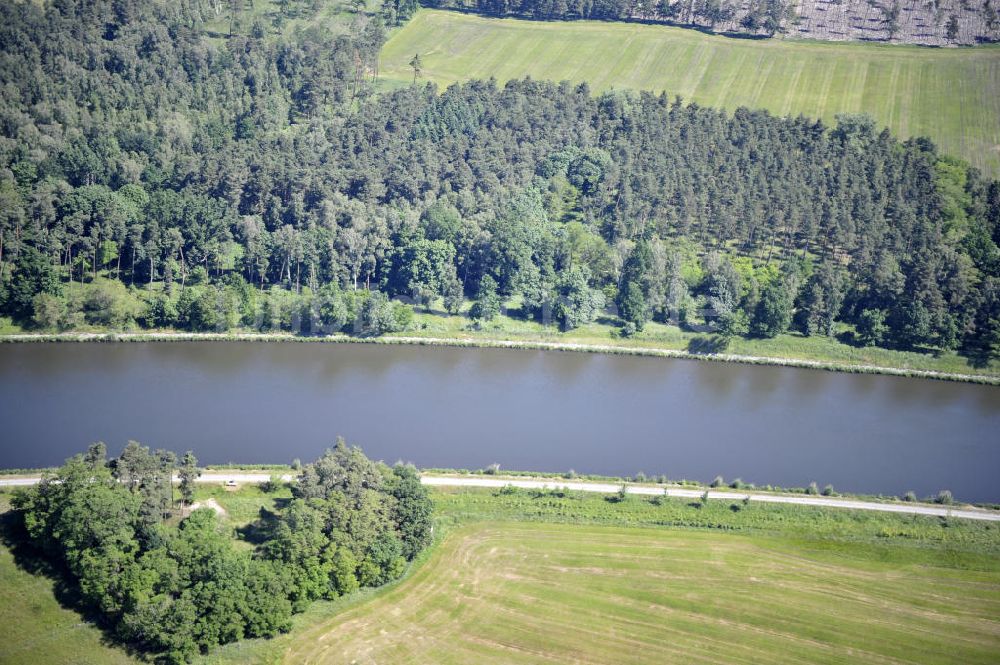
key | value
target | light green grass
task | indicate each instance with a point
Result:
(789, 346)
(549, 593)
(515, 577)
(950, 95)
(245, 505)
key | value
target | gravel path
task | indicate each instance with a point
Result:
(610, 488)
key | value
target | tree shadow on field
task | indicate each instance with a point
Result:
(849, 338)
(262, 529)
(32, 560)
(708, 345)
(979, 356)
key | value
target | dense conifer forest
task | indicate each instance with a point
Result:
(174, 582)
(157, 173)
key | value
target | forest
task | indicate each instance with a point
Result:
(156, 174)
(172, 582)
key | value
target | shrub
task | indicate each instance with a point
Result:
(50, 311)
(718, 482)
(487, 305)
(378, 315)
(813, 488)
(910, 496)
(109, 303)
(944, 497)
(737, 484)
(271, 484)
(828, 490)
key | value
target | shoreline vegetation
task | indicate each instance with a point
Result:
(569, 482)
(611, 347)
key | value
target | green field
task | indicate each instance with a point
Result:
(547, 593)
(540, 577)
(950, 95)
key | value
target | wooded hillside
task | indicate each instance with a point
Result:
(263, 184)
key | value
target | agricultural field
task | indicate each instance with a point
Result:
(949, 95)
(502, 592)
(564, 577)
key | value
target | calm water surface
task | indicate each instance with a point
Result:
(465, 408)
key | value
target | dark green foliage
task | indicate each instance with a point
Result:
(487, 305)
(774, 310)
(188, 473)
(635, 287)
(951, 29)
(422, 268)
(379, 315)
(412, 510)
(343, 469)
(33, 274)
(871, 327)
(820, 300)
(177, 591)
(577, 303)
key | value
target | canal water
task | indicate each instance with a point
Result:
(468, 408)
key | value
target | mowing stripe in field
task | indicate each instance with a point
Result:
(549, 593)
(950, 95)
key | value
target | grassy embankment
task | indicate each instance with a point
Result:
(540, 577)
(950, 95)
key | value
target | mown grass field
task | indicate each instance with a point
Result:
(950, 95)
(528, 577)
(548, 593)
